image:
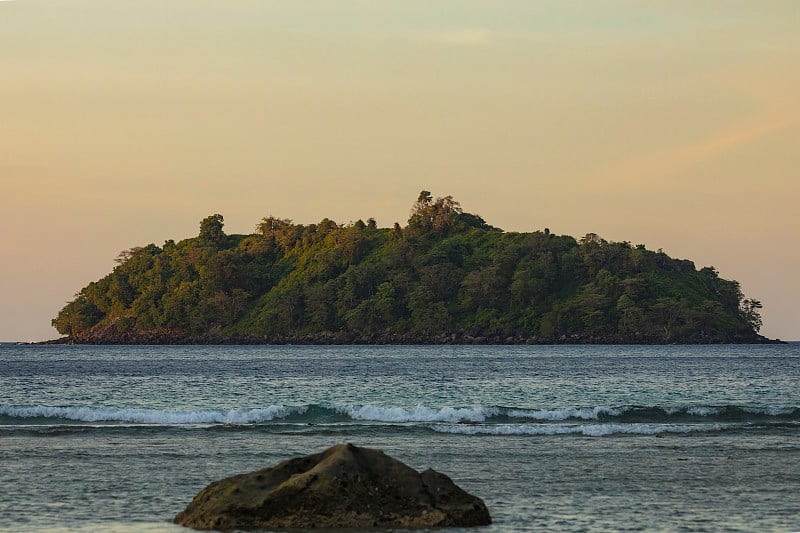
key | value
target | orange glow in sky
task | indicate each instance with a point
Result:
(675, 124)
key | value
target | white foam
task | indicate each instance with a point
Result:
(417, 414)
(694, 410)
(154, 416)
(589, 430)
(771, 411)
(700, 410)
(582, 413)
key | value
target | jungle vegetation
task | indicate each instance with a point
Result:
(446, 276)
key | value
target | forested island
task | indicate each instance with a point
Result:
(446, 277)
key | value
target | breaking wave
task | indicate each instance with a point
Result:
(418, 414)
(490, 420)
(152, 416)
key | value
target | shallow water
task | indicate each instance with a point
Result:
(575, 438)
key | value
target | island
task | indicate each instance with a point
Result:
(446, 277)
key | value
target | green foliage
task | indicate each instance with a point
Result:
(211, 230)
(445, 275)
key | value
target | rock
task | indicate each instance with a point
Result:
(344, 486)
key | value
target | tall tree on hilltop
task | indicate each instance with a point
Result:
(211, 230)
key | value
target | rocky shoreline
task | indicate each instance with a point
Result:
(175, 337)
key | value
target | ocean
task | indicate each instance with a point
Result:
(553, 438)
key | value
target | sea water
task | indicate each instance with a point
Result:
(570, 438)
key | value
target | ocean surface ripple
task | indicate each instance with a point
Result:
(572, 438)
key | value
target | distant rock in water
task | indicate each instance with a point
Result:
(344, 486)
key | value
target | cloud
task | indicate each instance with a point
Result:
(672, 160)
(459, 37)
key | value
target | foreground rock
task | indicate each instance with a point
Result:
(344, 486)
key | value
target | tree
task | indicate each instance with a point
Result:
(125, 255)
(281, 230)
(270, 225)
(397, 232)
(429, 216)
(77, 316)
(211, 230)
(749, 310)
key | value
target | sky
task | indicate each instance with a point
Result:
(674, 124)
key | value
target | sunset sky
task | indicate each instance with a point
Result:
(675, 124)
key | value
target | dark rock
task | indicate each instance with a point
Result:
(344, 486)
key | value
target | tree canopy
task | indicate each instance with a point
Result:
(446, 276)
